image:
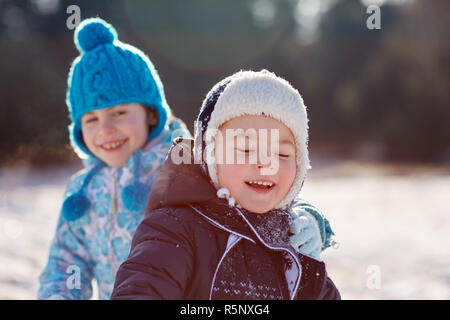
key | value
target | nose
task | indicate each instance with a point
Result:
(264, 164)
(267, 165)
(263, 160)
(107, 127)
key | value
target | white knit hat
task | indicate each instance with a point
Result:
(255, 93)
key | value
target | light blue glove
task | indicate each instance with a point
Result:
(306, 237)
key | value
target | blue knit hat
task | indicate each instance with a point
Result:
(108, 73)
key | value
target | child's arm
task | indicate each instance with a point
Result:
(68, 273)
(311, 230)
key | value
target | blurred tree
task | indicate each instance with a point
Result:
(381, 86)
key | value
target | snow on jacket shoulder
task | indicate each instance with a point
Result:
(94, 245)
(192, 245)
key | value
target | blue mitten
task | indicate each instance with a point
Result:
(306, 237)
(311, 231)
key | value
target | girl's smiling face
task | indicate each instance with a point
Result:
(114, 134)
(257, 185)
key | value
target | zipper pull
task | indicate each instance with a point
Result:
(113, 203)
(113, 195)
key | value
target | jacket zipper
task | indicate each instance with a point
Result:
(113, 195)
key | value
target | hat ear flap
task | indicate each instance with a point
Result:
(134, 196)
(77, 204)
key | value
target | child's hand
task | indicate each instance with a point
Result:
(306, 237)
(179, 129)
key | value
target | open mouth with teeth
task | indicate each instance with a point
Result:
(113, 145)
(260, 185)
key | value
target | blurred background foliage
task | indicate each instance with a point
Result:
(378, 95)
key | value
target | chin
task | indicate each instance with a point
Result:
(114, 163)
(258, 209)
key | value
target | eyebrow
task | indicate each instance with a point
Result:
(283, 141)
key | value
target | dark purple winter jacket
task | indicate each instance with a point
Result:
(192, 245)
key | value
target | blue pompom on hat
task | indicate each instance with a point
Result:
(92, 33)
(108, 73)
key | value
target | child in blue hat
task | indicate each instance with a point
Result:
(123, 128)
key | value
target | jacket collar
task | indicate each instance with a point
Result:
(271, 228)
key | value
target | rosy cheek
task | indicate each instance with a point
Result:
(226, 175)
(87, 137)
(220, 174)
(288, 171)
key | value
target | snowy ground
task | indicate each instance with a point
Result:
(392, 227)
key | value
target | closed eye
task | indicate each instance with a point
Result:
(284, 155)
(120, 113)
(90, 120)
(245, 150)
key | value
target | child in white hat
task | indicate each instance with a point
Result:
(219, 222)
